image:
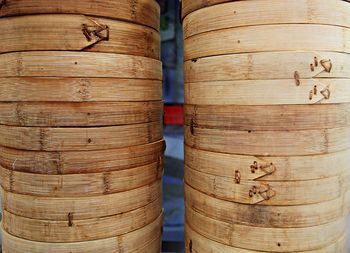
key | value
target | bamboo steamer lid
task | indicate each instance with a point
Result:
(298, 216)
(266, 239)
(198, 243)
(147, 238)
(256, 12)
(268, 117)
(144, 12)
(77, 33)
(82, 208)
(76, 162)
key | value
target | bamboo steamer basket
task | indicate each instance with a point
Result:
(143, 12)
(147, 238)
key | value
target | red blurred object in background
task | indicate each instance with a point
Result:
(173, 114)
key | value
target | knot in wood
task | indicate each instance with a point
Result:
(327, 65)
(97, 31)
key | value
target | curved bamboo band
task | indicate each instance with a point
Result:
(77, 33)
(75, 162)
(79, 114)
(189, 6)
(266, 216)
(46, 208)
(144, 237)
(268, 117)
(239, 13)
(198, 243)
(84, 185)
(258, 92)
(268, 66)
(76, 64)
(267, 239)
(273, 193)
(145, 12)
(79, 139)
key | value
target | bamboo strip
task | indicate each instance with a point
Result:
(287, 168)
(268, 143)
(257, 12)
(258, 92)
(267, 239)
(142, 11)
(189, 6)
(269, 117)
(266, 216)
(77, 33)
(82, 208)
(75, 162)
(65, 114)
(73, 230)
(84, 185)
(77, 64)
(271, 193)
(197, 243)
(268, 66)
(124, 243)
(79, 139)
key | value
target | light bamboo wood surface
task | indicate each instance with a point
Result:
(76, 162)
(142, 11)
(76, 64)
(147, 238)
(189, 6)
(268, 117)
(82, 208)
(257, 12)
(197, 243)
(266, 239)
(77, 33)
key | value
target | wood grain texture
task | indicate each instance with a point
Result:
(82, 208)
(268, 143)
(266, 216)
(84, 185)
(73, 230)
(79, 139)
(272, 193)
(267, 239)
(75, 162)
(256, 12)
(197, 243)
(266, 66)
(77, 64)
(258, 92)
(189, 6)
(66, 33)
(65, 114)
(268, 117)
(147, 238)
(144, 12)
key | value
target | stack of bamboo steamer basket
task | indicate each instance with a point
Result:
(80, 123)
(267, 125)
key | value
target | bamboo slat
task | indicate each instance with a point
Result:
(189, 6)
(198, 243)
(141, 12)
(82, 208)
(258, 92)
(86, 114)
(268, 66)
(257, 12)
(266, 216)
(274, 193)
(79, 139)
(125, 243)
(75, 162)
(73, 230)
(77, 33)
(76, 64)
(286, 168)
(267, 239)
(268, 143)
(269, 117)
(75, 185)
